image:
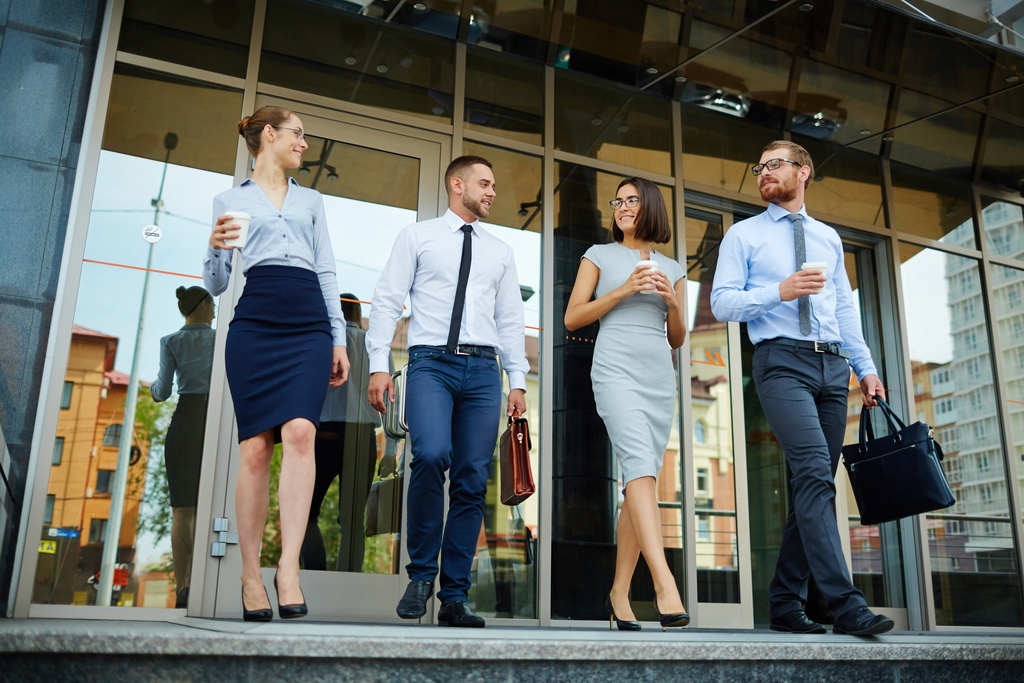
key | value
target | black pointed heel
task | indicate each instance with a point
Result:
(265, 614)
(622, 625)
(671, 620)
(293, 611)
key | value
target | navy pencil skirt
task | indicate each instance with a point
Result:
(279, 350)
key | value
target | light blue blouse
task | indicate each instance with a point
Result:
(189, 354)
(296, 235)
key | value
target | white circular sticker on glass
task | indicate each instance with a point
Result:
(152, 233)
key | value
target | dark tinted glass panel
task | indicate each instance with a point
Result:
(337, 54)
(958, 130)
(626, 42)
(1003, 164)
(612, 124)
(846, 183)
(932, 205)
(504, 95)
(519, 27)
(718, 150)
(213, 35)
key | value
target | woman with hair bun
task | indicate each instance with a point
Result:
(187, 354)
(285, 345)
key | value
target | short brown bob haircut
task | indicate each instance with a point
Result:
(652, 222)
(796, 153)
(460, 168)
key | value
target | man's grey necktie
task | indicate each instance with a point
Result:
(804, 304)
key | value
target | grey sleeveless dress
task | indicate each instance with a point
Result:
(634, 381)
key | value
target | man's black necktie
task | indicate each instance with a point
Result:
(460, 290)
(804, 305)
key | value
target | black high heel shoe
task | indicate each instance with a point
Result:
(293, 611)
(670, 620)
(623, 625)
(265, 614)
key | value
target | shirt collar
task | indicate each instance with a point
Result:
(250, 181)
(777, 213)
(455, 223)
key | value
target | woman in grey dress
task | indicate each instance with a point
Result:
(641, 314)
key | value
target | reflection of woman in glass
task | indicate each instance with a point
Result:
(187, 354)
(279, 356)
(634, 382)
(346, 449)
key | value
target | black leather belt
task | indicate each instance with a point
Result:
(466, 350)
(815, 346)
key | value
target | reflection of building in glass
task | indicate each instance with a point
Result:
(81, 480)
(964, 400)
(715, 493)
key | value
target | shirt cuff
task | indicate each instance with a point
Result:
(517, 380)
(379, 364)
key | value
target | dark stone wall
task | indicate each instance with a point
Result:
(47, 54)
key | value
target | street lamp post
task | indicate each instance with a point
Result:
(112, 538)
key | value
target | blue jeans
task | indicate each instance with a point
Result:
(453, 406)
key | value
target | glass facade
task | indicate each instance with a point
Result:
(917, 165)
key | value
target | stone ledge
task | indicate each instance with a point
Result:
(191, 637)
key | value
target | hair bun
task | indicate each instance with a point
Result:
(180, 292)
(242, 124)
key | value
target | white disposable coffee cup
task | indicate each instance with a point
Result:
(819, 266)
(241, 220)
(651, 266)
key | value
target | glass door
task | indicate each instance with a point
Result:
(374, 183)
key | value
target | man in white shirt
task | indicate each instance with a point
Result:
(467, 311)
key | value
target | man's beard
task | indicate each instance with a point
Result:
(779, 192)
(476, 207)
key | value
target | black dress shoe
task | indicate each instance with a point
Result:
(265, 614)
(622, 624)
(459, 614)
(293, 611)
(670, 620)
(862, 622)
(796, 622)
(413, 604)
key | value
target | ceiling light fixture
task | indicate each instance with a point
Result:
(350, 60)
(382, 68)
(806, 6)
(652, 70)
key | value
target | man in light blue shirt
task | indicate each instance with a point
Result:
(467, 311)
(782, 273)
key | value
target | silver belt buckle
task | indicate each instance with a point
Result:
(820, 350)
(460, 352)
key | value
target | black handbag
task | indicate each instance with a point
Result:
(897, 475)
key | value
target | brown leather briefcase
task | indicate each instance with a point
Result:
(514, 459)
